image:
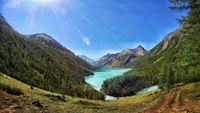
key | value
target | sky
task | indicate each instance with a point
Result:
(93, 27)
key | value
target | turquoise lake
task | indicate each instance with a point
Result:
(101, 75)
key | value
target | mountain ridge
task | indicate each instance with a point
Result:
(122, 58)
(48, 40)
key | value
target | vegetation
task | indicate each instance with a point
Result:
(183, 98)
(52, 103)
(43, 66)
(174, 60)
(10, 90)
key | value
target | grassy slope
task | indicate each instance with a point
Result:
(53, 104)
(179, 99)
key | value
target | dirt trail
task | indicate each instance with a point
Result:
(172, 103)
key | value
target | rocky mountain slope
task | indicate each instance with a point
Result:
(122, 58)
(48, 40)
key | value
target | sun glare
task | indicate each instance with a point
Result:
(43, 2)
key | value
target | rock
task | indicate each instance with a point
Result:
(5, 98)
(63, 98)
(37, 103)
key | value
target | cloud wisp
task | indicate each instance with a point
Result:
(14, 3)
(86, 41)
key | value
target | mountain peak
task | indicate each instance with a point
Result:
(139, 46)
(48, 40)
(127, 51)
(122, 58)
(140, 50)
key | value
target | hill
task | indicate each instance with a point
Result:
(122, 58)
(43, 65)
(182, 98)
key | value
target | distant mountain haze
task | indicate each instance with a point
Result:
(89, 60)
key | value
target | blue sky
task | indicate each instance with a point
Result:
(93, 27)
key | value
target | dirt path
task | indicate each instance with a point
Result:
(173, 103)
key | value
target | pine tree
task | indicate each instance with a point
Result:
(194, 10)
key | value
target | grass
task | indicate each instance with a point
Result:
(11, 90)
(192, 91)
(52, 102)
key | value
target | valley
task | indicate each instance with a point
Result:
(39, 74)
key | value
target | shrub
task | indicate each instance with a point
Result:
(11, 90)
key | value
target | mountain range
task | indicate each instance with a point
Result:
(40, 61)
(122, 58)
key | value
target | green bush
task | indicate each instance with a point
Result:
(11, 90)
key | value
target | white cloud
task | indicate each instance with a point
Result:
(14, 3)
(86, 41)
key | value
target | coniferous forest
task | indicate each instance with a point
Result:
(43, 66)
(174, 60)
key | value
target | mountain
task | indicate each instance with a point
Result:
(48, 40)
(175, 59)
(89, 60)
(122, 58)
(140, 50)
(43, 63)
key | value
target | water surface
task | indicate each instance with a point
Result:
(101, 75)
(149, 89)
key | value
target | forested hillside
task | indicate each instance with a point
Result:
(175, 59)
(42, 65)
